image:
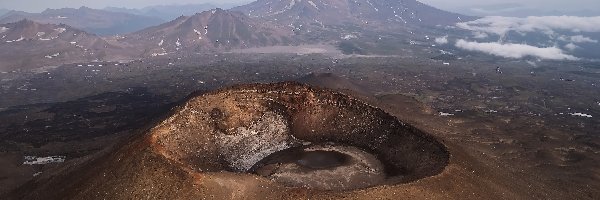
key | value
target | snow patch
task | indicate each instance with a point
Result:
(580, 115)
(376, 9)
(287, 7)
(198, 33)
(349, 37)
(60, 30)
(3, 29)
(53, 55)
(313, 4)
(443, 114)
(33, 160)
(47, 39)
(17, 40)
(446, 52)
(177, 43)
(161, 43)
(158, 54)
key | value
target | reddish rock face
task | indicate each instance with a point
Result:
(237, 129)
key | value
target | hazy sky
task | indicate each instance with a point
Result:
(39, 5)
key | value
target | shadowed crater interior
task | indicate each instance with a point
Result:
(320, 159)
(297, 136)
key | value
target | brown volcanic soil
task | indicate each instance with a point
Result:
(210, 144)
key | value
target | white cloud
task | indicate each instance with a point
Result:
(577, 39)
(571, 47)
(547, 24)
(442, 40)
(582, 39)
(480, 35)
(515, 50)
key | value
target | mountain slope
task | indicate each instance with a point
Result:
(91, 20)
(27, 44)
(3, 11)
(377, 13)
(210, 30)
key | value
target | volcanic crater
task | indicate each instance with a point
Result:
(296, 136)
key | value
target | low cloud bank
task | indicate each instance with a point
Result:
(571, 47)
(582, 39)
(515, 50)
(546, 24)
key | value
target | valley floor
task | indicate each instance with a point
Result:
(529, 132)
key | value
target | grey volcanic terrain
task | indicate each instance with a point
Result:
(296, 99)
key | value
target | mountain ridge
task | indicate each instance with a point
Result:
(209, 30)
(26, 44)
(96, 21)
(358, 12)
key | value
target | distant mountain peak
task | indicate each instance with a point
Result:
(379, 13)
(218, 11)
(209, 30)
